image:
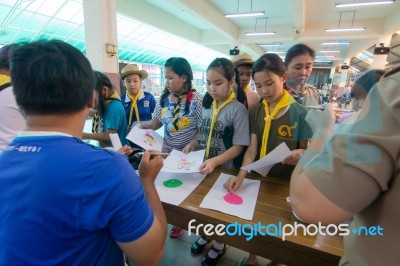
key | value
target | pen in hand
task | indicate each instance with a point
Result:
(154, 153)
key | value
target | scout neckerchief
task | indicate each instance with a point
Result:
(96, 121)
(134, 106)
(216, 111)
(298, 96)
(247, 88)
(5, 82)
(285, 101)
(178, 107)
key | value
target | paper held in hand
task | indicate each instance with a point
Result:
(115, 141)
(148, 139)
(265, 164)
(179, 162)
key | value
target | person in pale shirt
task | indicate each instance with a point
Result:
(12, 120)
(243, 64)
(353, 174)
(299, 61)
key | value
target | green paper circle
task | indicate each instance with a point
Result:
(172, 183)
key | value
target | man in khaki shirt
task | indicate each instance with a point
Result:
(354, 175)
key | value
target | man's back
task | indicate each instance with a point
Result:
(68, 202)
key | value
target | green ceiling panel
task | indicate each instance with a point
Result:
(79, 34)
(18, 20)
(54, 26)
(4, 11)
(67, 30)
(37, 23)
(7, 36)
(25, 20)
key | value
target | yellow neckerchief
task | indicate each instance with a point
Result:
(285, 101)
(4, 79)
(247, 88)
(134, 105)
(216, 111)
(114, 95)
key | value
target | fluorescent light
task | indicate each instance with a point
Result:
(271, 44)
(335, 43)
(325, 56)
(245, 14)
(260, 33)
(276, 52)
(364, 3)
(328, 51)
(322, 61)
(345, 29)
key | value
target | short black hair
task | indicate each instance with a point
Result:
(5, 53)
(296, 50)
(51, 77)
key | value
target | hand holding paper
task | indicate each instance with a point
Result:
(148, 139)
(179, 162)
(265, 164)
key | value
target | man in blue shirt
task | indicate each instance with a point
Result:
(64, 202)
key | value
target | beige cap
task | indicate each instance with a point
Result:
(242, 59)
(133, 69)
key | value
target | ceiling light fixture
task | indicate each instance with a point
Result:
(277, 52)
(328, 51)
(364, 3)
(262, 33)
(270, 44)
(245, 14)
(325, 56)
(250, 13)
(345, 29)
(338, 29)
(335, 43)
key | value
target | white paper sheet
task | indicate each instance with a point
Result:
(265, 164)
(179, 162)
(148, 139)
(248, 192)
(175, 195)
(115, 141)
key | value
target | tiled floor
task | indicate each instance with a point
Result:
(177, 253)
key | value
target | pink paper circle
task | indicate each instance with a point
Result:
(233, 199)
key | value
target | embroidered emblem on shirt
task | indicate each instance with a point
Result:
(146, 103)
(286, 131)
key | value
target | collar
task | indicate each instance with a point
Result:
(141, 96)
(42, 133)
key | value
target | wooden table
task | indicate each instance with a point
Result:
(271, 207)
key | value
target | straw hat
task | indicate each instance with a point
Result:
(133, 69)
(242, 59)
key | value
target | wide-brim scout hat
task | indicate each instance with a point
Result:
(242, 59)
(133, 69)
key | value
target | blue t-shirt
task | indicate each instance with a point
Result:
(145, 103)
(64, 202)
(115, 118)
